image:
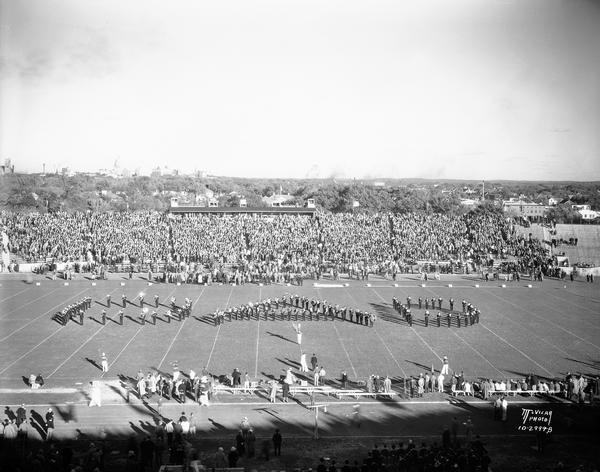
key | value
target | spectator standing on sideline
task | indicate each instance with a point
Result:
(104, 363)
(95, 394)
(303, 365)
(445, 367)
(49, 424)
(21, 415)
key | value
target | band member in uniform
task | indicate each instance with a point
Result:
(420, 300)
(124, 298)
(121, 317)
(156, 301)
(108, 300)
(439, 319)
(103, 317)
(426, 318)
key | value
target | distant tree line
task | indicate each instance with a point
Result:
(81, 192)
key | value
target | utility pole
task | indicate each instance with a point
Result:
(316, 427)
(483, 192)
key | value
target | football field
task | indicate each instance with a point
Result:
(549, 329)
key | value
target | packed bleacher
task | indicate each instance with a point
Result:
(270, 248)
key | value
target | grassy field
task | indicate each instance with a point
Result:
(548, 329)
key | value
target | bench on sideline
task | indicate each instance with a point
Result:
(362, 393)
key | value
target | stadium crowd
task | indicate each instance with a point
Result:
(273, 249)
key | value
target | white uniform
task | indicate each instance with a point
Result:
(303, 366)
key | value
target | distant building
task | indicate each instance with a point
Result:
(552, 201)
(529, 210)
(469, 202)
(581, 207)
(7, 167)
(263, 212)
(587, 214)
(278, 200)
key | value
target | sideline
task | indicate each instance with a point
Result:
(291, 405)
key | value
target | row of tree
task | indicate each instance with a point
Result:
(81, 192)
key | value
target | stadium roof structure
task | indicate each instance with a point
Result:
(186, 210)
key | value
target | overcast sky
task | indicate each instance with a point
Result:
(419, 88)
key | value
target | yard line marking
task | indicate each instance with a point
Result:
(344, 348)
(381, 339)
(122, 350)
(218, 331)
(257, 335)
(413, 329)
(592, 325)
(31, 350)
(516, 349)
(547, 321)
(500, 337)
(575, 304)
(479, 353)
(388, 350)
(340, 340)
(426, 343)
(171, 345)
(43, 314)
(132, 338)
(213, 346)
(76, 351)
(534, 333)
(178, 331)
(14, 295)
(521, 326)
(29, 302)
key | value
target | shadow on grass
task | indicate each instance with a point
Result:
(134, 320)
(204, 320)
(67, 414)
(94, 363)
(38, 423)
(281, 337)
